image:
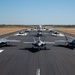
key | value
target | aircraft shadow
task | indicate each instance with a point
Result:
(65, 46)
(38, 35)
(33, 50)
(8, 45)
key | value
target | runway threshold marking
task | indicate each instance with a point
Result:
(38, 72)
(1, 51)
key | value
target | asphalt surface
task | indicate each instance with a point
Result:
(20, 59)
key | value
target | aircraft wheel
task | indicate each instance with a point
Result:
(6, 44)
(73, 48)
(44, 47)
(32, 47)
(68, 45)
(39, 48)
(0, 46)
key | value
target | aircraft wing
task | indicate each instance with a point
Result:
(28, 42)
(12, 40)
(49, 42)
(1, 41)
(45, 33)
(60, 41)
(39, 33)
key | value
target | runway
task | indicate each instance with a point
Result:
(20, 59)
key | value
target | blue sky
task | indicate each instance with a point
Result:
(37, 12)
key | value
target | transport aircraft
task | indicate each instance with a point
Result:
(39, 31)
(40, 28)
(39, 44)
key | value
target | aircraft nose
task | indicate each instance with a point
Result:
(39, 44)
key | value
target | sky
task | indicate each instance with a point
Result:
(31, 12)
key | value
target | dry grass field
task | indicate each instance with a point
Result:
(64, 29)
(67, 30)
(6, 30)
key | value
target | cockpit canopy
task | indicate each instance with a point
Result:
(38, 41)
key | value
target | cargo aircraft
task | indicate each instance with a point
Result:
(39, 31)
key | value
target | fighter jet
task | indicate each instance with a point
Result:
(39, 44)
(70, 42)
(40, 34)
(4, 41)
(21, 34)
(57, 34)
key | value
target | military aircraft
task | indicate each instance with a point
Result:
(39, 44)
(55, 33)
(21, 34)
(39, 31)
(4, 41)
(40, 28)
(38, 34)
(70, 42)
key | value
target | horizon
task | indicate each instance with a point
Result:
(41, 12)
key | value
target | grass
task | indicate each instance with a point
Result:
(67, 30)
(64, 29)
(6, 30)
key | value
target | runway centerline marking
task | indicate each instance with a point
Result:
(38, 72)
(1, 51)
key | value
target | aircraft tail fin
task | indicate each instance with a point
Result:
(34, 39)
(39, 38)
(66, 39)
(40, 27)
